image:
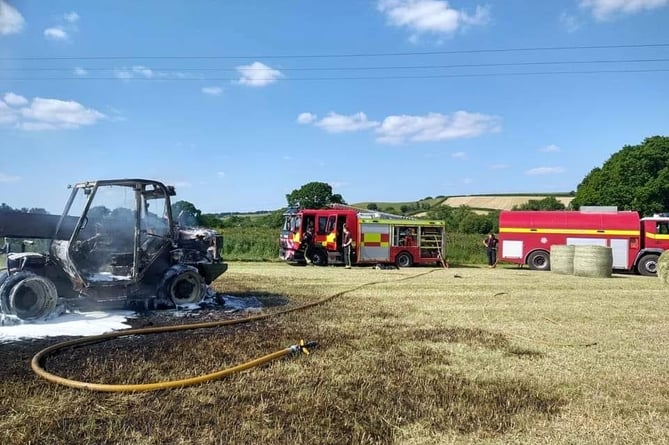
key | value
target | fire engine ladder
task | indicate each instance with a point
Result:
(432, 242)
(365, 213)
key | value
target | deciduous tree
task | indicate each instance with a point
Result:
(634, 178)
(547, 203)
(314, 195)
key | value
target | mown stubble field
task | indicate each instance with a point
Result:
(414, 356)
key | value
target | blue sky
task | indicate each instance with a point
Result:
(237, 103)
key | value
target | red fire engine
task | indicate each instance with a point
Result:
(525, 237)
(378, 238)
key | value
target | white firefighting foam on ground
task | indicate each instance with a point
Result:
(71, 324)
(84, 324)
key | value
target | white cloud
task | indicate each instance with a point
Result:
(63, 30)
(55, 33)
(7, 114)
(499, 166)
(436, 127)
(607, 9)
(11, 20)
(212, 91)
(338, 123)
(257, 74)
(459, 155)
(550, 149)
(80, 71)
(569, 22)
(544, 171)
(71, 17)
(60, 114)
(14, 99)
(45, 114)
(8, 178)
(430, 16)
(133, 72)
(220, 174)
(306, 118)
(143, 71)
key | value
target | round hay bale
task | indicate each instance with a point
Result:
(663, 267)
(593, 261)
(562, 259)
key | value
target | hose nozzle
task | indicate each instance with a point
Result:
(303, 347)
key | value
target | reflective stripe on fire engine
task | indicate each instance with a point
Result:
(375, 240)
(572, 231)
(657, 236)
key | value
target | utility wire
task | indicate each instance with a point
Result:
(325, 56)
(388, 77)
(372, 68)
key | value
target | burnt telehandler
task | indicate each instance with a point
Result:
(116, 242)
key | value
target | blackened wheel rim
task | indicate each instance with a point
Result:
(648, 265)
(28, 296)
(186, 288)
(404, 260)
(319, 258)
(539, 261)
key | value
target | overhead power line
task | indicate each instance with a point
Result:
(345, 55)
(370, 68)
(385, 77)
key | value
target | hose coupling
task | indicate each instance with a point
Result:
(303, 347)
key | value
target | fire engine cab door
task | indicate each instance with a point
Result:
(374, 242)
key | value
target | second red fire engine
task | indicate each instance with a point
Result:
(525, 237)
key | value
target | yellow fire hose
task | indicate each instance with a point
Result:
(40, 357)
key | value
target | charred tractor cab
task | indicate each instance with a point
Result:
(116, 241)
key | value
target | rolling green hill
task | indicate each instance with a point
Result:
(479, 203)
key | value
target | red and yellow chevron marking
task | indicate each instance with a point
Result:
(375, 240)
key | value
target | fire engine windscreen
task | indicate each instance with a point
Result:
(292, 223)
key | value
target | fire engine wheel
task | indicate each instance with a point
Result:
(183, 285)
(404, 259)
(319, 258)
(28, 296)
(539, 260)
(648, 265)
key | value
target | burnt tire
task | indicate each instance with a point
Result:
(319, 257)
(539, 260)
(404, 259)
(3, 277)
(28, 296)
(648, 265)
(182, 285)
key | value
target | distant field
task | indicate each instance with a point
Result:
(498, 202)
(479, 203)
(398, 204)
